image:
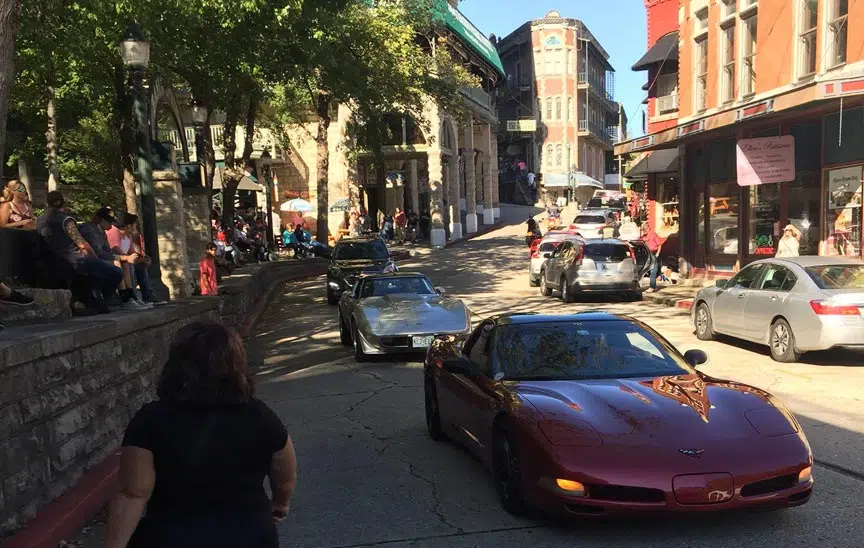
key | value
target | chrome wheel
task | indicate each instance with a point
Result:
(701, 320)
(704, 326)
(780, 339)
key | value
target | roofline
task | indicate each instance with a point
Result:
(583, 29)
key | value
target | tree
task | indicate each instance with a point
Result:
(10, 19)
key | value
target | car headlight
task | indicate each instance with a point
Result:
(574, 433)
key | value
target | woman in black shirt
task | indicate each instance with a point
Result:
(196, 459)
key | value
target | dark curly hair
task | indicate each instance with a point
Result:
(207, 365)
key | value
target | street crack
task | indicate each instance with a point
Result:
(436, 503)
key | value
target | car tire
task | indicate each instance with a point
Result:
(634, 296)
(433, 412)
(359, 354)
(566, 293)
(545, 290)
(508, 474)
(532, 281)
(344, 333)
(704, 324)
(781, 342)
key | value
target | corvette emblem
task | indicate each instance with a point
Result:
(695, 453)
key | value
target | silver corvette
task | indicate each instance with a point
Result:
(397, 313)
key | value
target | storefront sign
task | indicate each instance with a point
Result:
(844, 187)
(766, 160)
(528, 126)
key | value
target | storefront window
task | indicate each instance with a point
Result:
(763, 219)
(803, 212)
(667, 206)
(699, 232)
(843, 212)
(723, 220)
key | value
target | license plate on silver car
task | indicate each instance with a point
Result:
(421, 342)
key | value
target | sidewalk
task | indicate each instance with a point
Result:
(678, 296)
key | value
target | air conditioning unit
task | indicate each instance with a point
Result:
(668, 103)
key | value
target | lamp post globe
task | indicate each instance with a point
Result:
(199, 114)
(134, 48)
(266, 159)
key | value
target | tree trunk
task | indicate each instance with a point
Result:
(249, 130)
(51, 132)
(322, 108)
(10, 20)
(126, 131)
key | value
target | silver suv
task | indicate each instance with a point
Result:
(592, 266)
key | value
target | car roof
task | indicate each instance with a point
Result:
(813, 260)
(524, 318)
(400, 274)
(594, 211)
(360, 238)
(598, 240)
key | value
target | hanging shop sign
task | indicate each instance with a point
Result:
(522, 126)
(766, 160)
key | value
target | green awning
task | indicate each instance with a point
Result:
(464, 29)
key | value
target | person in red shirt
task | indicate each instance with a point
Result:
(654, 243)
(209, 286)
(401, 221)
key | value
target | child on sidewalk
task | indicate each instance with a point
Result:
(209, 285)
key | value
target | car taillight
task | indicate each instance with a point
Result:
(825, 308)
(578, 257)
(632, 253)
(536, 254)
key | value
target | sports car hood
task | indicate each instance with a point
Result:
(408, 313)
(657, 410)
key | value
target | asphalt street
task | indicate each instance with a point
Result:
(369, 475)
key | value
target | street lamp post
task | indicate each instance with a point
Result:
(135, 52)
(266, 161)
(570, 189)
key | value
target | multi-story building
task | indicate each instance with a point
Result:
(769, 129)
(558, 114)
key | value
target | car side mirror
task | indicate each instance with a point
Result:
(721, 284)
(547, 255)
(440, 290)
(695, 357)
(461, 366)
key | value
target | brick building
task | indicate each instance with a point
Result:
(558, 113)
(769, 128)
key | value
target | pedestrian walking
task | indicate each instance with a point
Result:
(207, 267)
(655, 244)
(197, 457)
(790, 243)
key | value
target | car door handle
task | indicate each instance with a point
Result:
(773, 297)
(741, 295)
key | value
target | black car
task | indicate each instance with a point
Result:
(353, 257)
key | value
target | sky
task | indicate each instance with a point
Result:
(619, 26)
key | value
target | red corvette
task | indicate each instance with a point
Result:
(596, 414)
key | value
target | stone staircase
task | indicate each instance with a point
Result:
(49, 305)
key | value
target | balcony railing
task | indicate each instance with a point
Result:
(478, 95)
(599, 132)
(597, 85)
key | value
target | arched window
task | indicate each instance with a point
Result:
(559, 156)
(558, 108)
(569, 108)
(550, 150)
(549, 108)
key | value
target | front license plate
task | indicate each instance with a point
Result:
(421, 342)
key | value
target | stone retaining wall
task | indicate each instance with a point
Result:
(68, 390)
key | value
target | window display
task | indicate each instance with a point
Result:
(764, 219)
(843, 212)
(723, 219)
(803, 196)
(667, 207)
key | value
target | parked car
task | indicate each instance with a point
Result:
(592, 223)
(793, 305)
(644, 258)
(544, 250)
(352, 257)
(399, 312)
(595, 414)
(591, 266)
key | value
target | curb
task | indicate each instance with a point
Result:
(675, 302)
(67, 514)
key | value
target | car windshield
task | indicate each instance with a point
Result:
(607, 252)
(370, 250)
(589, 220)
(380, 287)
(549, 246)
(837, 276)
(585, 350)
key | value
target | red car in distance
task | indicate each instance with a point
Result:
(595, 414)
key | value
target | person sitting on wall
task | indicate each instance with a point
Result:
(60, 231)
(95, 234)
(16, 211)
(125, 239)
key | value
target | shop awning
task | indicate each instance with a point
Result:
(559, 180)
(660, 161)
(666, 48)
(464, 29)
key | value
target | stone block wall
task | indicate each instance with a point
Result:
(171, 227)
(67, 393)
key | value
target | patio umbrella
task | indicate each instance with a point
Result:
(297, 204)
